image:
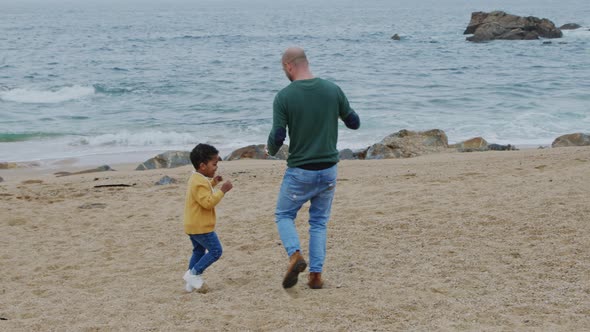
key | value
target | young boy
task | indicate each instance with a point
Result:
(199, 213)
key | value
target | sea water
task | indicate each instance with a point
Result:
(124, 80)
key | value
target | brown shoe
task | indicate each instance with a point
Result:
(314, 281)
(296, 265)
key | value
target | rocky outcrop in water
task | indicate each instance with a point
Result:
(500, 25)
(576, 139)
(570, 26)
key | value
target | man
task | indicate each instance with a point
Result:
(309, 109)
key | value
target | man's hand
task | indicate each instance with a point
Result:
(227, 186)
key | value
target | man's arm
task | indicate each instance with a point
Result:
(347, 114)
(352, 121)
(278, 132)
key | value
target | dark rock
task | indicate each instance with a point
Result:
(570, 26)
(168, 159)
(257, 152)
(500, 25)
(345, 154)
(500, 147)
(1, 179)
(396, 37)
(348, 154)
(165, 180)
(406, 143)
(576, 139)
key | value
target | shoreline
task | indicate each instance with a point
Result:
(125, 158)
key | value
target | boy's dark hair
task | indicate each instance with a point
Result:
(202, 153)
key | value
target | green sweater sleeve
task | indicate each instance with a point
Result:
(279, 124)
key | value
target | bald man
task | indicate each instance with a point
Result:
(308, 110)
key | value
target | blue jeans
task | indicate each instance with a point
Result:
(298, 187)
(201, 260)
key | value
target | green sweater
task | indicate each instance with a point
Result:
(309, 109)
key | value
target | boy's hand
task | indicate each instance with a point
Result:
(218, 178)
(227, 186)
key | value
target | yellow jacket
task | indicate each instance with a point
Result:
(199, 207)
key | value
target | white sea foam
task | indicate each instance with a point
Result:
(138, 139)
(36, 96)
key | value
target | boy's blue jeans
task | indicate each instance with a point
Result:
(206, 250)
(298, 187)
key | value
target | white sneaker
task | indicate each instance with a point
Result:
(193, 281)
(187, 286)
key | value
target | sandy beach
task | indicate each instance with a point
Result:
(481, 241)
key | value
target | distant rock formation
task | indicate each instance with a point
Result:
(576, 139)
(500, 25)
(570, 26)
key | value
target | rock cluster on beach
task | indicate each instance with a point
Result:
(500, 25)
(402, 144)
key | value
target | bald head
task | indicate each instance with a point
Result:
(294, 55)
(295, 64)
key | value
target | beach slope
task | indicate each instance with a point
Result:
(452, 241)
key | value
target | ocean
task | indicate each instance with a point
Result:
(120, 81)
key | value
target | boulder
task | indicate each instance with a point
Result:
(168, 159)
(472, 144)
(257, 152)
(576, 139)
(500, 25)
(348, 154)
(570, 26)
(406, 144)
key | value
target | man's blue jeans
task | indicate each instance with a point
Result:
(201, 260)
(298, 187)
